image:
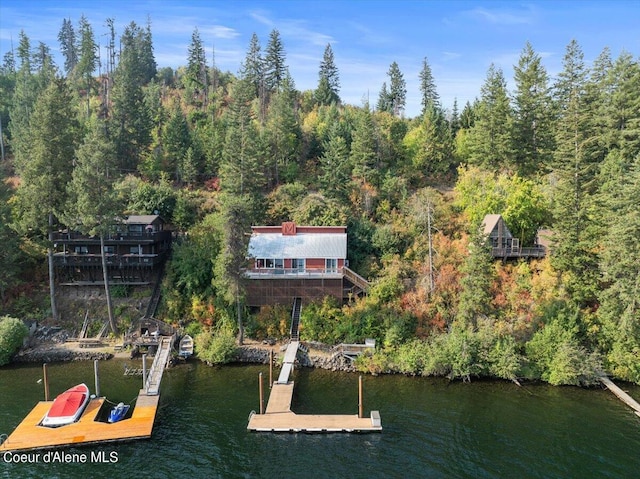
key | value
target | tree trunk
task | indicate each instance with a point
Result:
(239, 313)
(52, 283)
(105, 276)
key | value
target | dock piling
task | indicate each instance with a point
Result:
(261, 394)
(360, 406)
(144, 372)
(97, 379)
(45, 380)
(270, 368)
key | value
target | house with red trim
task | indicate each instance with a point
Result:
(291, 261)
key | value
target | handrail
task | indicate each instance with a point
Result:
(355, 278)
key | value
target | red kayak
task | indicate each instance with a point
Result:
(67, 407)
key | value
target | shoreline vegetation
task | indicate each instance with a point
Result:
(214, 153)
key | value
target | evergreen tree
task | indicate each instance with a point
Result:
(197, 76)
(44, 167)
(428, 92)
(253, 67)
(429, 144)
(397, 90)
(475, 295)
(335, 173)
(147, 59)
(93, 202)
(384, 100)
(532, 125)
(10, 254)
(329, 81)
(574, 243)
(491, 136)
(283, 133)
(240, 172)
(131, 119)
(67, 39)
(176, 140)
(275, 68)
(87, 59)
(364, 157)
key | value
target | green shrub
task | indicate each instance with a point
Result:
(217, 346)
(12, 333)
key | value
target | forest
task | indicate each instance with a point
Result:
(215, 152)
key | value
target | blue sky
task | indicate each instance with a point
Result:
(460, 39)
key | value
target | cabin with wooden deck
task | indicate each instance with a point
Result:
(135, 251)
(291, 261)
(504, 246)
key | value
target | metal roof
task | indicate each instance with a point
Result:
(302, 245)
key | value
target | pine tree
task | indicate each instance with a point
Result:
(283, 133)
(67, 39)
(533, 119)
(252, 68)
(335, 175)
(87, 60)
(475, 295)
(197, 77)
(428, 92)
(491, 138)
(384, 100)
(240, 172)
(45, 165)
(176, 140)
(275, 68)
(574, 243)
(93, 202)
(10, 254)
(131, 119)
(397, 90)
(364, 157)
(329, 81)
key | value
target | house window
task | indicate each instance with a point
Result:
(260, 263)
(135, 250)
(278, 264)
(331, 264)
(109, 250)
(268, 263)
(298, 264)
(81, 250)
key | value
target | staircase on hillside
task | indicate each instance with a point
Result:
(155, 296)
(295, 319)
(359, 284)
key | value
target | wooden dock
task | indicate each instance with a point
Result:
(30, 436)
(278, 416)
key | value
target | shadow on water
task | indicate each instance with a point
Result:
(432, 427)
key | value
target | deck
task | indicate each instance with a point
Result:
(30, 436)
(278, 416)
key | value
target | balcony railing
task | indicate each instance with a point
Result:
(307, 273)
(114, 260)
(145, 236)
(529, 252)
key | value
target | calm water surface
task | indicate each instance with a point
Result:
(432, 428)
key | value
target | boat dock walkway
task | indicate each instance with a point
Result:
(160, 361)
(29, 435)
(278, 416)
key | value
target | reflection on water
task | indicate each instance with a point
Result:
(432, 428)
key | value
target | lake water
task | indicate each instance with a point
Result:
(432, 428)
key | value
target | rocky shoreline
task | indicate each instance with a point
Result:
(53, 354)
(306, 358)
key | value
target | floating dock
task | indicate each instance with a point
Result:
(29, 435)
(87, 430)
(278, 416)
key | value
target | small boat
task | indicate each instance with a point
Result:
(67, 407)
(118, 412)
(186, 347)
